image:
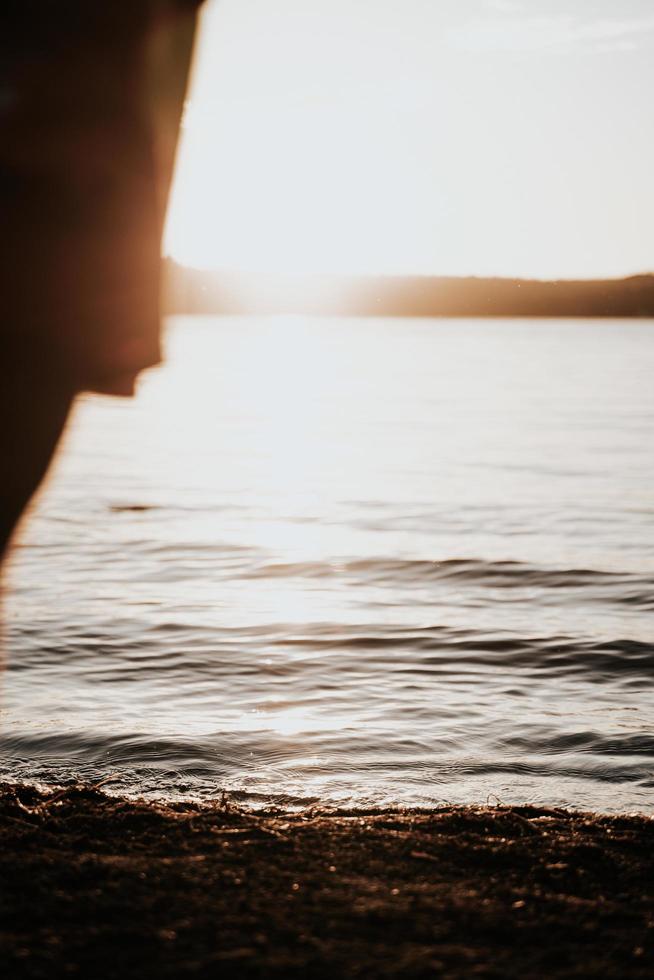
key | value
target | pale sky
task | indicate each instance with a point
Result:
(454, 137)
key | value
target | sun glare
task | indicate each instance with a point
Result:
(381, 138)
(274, 183)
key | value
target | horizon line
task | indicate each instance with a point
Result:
(277, 274)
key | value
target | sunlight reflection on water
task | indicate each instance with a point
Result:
(392, 561)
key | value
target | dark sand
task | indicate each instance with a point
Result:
(94, 886)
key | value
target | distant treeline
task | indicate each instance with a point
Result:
(196, 291)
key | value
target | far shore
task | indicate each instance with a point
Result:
(102, 887)
(189, 291)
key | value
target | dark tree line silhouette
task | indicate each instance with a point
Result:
(196, 291)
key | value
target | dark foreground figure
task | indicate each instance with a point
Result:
(100, 887)
(91, 97)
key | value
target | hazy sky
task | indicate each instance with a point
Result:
(430, 136)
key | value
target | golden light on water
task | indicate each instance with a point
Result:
(308, 558)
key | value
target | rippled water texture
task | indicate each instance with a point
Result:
(389, 561)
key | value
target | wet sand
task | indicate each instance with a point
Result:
(95, 886)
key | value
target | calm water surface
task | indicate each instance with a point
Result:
(376, 561)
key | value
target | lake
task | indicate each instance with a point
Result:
(356, 562)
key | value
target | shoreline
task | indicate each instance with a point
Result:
(102, 886)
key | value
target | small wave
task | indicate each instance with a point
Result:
(442, 645)
(492, 574)
(537, 742)
(425, 782)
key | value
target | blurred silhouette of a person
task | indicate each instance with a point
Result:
(91, 96)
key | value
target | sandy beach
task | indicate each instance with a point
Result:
(98, 886)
